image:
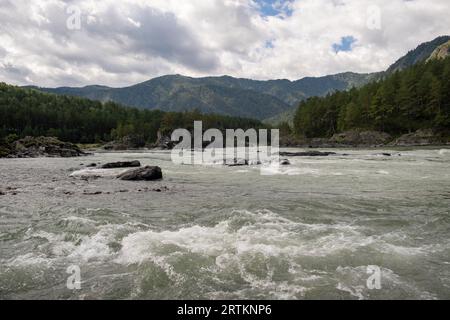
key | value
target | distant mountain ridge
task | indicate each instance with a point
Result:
(223, 95)
(226, 95)
(422, 53)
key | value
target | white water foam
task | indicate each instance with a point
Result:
(251, 245)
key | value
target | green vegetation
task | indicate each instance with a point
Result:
(273, 100)
(220, 95)
(408, 100)
(27, 112)
(423, 52)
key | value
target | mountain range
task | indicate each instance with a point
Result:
(272, 100)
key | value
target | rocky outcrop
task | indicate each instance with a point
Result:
(372, 139)
(147, 173)
(317, 143)
(292, 141)
(441, 52)
(34, 147)
(422, 137)
(125, 164)
(354, 138)
(163, 142)
(5, 150)
(126, 143)
(360, 138)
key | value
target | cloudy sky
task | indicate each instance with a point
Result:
(119, 43)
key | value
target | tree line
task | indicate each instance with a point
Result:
(27, 112)
(405, 101)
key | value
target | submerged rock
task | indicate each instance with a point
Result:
(243, 162)
(285, 162)
(148, 173)
(94, 193)
(238, 163)
(307, 154)
(123, 164)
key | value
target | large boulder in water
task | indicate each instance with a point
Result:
(147, 173)
(124, 164)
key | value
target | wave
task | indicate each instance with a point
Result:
(245, 255)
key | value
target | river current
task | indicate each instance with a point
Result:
(322, 228)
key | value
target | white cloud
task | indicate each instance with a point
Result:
(128, 41)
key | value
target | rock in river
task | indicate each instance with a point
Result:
(142, 174)
(307, 154)
(126, 164)
(238, 163)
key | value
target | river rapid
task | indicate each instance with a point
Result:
(217, 232)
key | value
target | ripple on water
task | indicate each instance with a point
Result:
(335, 217)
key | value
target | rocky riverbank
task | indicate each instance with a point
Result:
(34, 147)
(420, 138)
(348, 139)
(370, 139)
(131, 142)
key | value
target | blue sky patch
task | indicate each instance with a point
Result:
(269, 44)
(345, 45)
(274, 7)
